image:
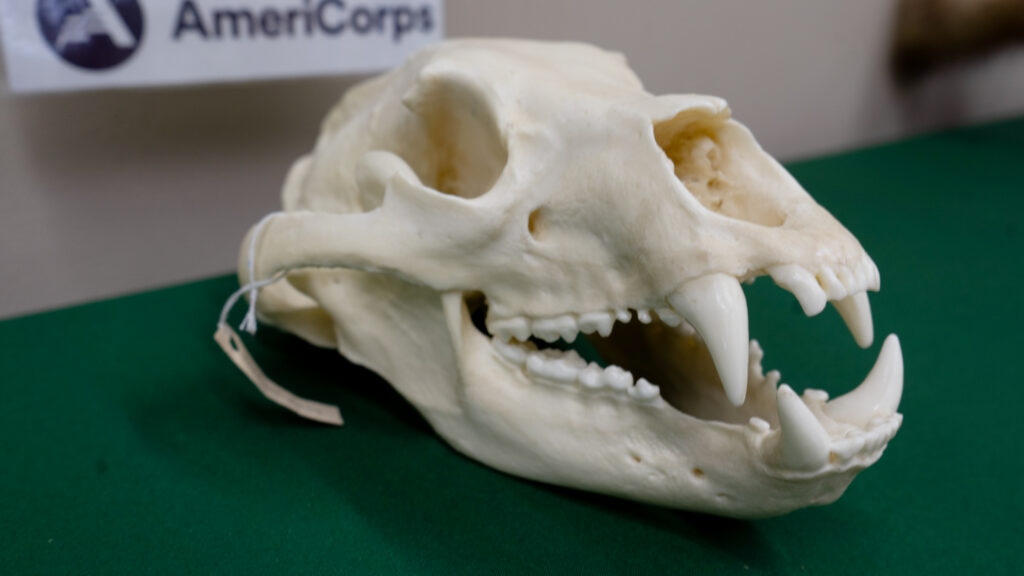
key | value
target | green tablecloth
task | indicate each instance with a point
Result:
(132, 445)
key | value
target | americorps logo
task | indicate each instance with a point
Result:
(91, 34)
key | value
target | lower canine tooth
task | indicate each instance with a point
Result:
(878, 395)
(804, 443)
(717, 308)
(856, 312)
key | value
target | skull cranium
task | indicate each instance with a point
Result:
(490, 196)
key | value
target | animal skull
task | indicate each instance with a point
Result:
(490, 195)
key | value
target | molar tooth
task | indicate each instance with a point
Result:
(551, 369)
(856, 312)
(643, 315)
(623, 315)
(802, 284)
(804, 443)
(590, 377)
(617, 379)
(879, 394)
(600, 322)
(507, 328)
(717, 308)
(549, 329)
(669, 317)
(511, 352)
(644, 390)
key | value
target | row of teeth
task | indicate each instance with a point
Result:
(715, 306)
(829, 283)
(569, 326)
(569, 368)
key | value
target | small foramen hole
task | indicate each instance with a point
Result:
(536, 224)
(698, 472)
(636, 458)
(833, 457)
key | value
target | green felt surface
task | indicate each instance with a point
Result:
(132, 445)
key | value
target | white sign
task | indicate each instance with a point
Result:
(81, 44)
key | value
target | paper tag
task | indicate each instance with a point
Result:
(236, 350)
(85, 44)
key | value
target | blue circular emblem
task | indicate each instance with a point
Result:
(91, 34)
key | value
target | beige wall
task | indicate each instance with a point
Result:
(111, 192)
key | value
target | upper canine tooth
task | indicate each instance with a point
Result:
(879, 394)
(802, 284)
(600, 322)
(717, 308)
(856, 312)
(804, 444)
(508, 328)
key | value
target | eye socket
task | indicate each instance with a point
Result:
(462, 137)
(721, 166)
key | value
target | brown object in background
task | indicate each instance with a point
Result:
(931, 33)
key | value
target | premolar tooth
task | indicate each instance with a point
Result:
(856, 312)
(600, 322)
(623, 315)
(643, 315)
(804, 443)
(669, 317)
(590, 377)
(717, 308)
(798, 281)
(879, 394)
(644, 390)
(617, 379)
(508, 328)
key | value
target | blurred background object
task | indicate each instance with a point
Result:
(933, 33)
(104, 193)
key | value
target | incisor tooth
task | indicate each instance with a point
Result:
(804, 443)
(717, 308)
(798, 281)
(879, 394)
(856, 312)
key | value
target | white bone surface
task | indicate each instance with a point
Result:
(542, 178)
